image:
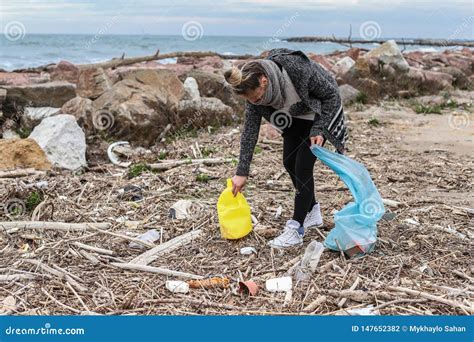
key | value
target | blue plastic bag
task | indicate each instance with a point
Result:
(356, 224)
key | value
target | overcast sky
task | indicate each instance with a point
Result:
(393, 18)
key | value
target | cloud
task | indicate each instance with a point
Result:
(408, 18)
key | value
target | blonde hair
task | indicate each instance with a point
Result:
(245, 79)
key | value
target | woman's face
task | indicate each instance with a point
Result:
(256, 94)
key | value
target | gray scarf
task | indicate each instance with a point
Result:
(274, 95)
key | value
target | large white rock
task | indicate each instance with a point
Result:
(389, 53)
(343, 65)
(191, 89)
(62, 140)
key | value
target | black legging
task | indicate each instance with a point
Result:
(299, 162)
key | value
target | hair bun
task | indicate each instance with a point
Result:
(233, 76)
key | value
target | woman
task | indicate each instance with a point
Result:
(301, 100)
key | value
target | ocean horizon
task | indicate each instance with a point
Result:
(31, 50)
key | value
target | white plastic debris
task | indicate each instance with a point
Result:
(254, 220)
(282, 284)
(248, 250)
(288, 298)
(177, 286)
(181, 209)
(391, 203)
(150, 236)
(310, 261)
(278, 212)
(411, 221)
(38, 185)
(367, 311)
(113, 157)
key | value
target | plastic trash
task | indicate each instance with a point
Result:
(113, 157)
(234, 214)
(310, 261)
(367, 311)
(181, 209)
(355, 230)
(150, 236)
(131, 193)
(248, 250)
(177, 286)
(209, 283)
(282, 284)
(248, 287)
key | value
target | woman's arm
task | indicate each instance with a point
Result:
(248, 139)
(326, 90)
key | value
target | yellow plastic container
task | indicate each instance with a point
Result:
(234, 214)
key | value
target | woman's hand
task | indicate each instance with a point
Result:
(238, 183)
(317, 140)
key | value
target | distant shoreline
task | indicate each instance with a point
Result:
(33, 50)
(400, 41)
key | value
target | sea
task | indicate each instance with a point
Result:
(30, 50)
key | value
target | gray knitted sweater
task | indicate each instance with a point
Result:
(318, 92)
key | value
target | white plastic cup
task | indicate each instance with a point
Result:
(282, 284)
(177, 286)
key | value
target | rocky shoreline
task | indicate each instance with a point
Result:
(74, 111)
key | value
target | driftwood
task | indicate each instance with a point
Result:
(171, 164)
(21, 173)
(352, 288)
(89, 257)
(464, 308)
(345, 41)
(122, 61)
(168, 246)
(15, 226)
(16, 277)
(314, 304)
(195, 302)
(122, 236)
(56, 273)
(355, 295)
(157, 270)
(93, 249)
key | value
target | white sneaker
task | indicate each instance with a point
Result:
(291, 236)
(313, 218)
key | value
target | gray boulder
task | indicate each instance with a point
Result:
(82, 110)
(389, 53)
(214, 85)
(348, 93)
(49, 94)
(62, 140)
(133, 111)
(202, 112)
(93, 82)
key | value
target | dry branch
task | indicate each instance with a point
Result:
(56, 273)
(14, 226)
(157, 270)
(122, 61)
(469, 309)
(16, 277)
(314, 304)
(93, 249)
(169, 246)
(171, 164)
(21, 173)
